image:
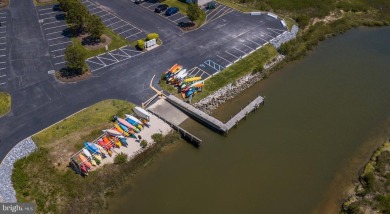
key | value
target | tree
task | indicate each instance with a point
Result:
(120, 158)
(65, 5)
(144, 144)
(141, 44)
(75, 58)
(77, 15)
(94, 26)
(193, 12)
(153, 36)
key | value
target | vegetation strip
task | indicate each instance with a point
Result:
(44, 178)
(5, 103)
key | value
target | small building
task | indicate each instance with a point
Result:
(198, 2)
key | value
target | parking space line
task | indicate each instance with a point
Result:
(2, 69)
(126, 30)
(124, 52)
(58, 63)
(101, 61)
(108, 59)
(232, 54)
(2, 83)
(213, 65)
(2, 55)
(109, 19)
(179, 18)
(2, 43)
(2, 49)
(118, 28)
(261, 38)
(61, 43)
(133, 35)
(45, 9)
(99, 12)
(2, 26)
(253, 41)
(104, 65)
(55, 38)
(127, 56)
(272, 29)
(2, 62)
(51, 22)
(48, 13)
(172, 16)
(58, 56)
(3, 37)
(268, 35)
(152, 5)
(3, 75)
(247, 46)
(58, 50)
(104, 15)
(240, 50)
(224, 59)
(54, 32)
(55, 27)
(115, 23)
(113, 56)
(3, 17)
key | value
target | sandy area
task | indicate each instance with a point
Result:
(157, 126)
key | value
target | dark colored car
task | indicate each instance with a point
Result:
(161, 8)
(171, 11)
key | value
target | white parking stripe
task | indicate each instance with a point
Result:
(109, 19)
(2, 49)
(260, 38)
(105, 15)
(115, 23)
(179, 19)
(152, 5)
(51, 22)
(3, 13)
(240, 50)
(108, 59)
(48, 13)
(2, 55)
(61, 43)
(133, 35)
(247, 46)
(2, 43)
(224, 59)
(253, 42)
(46, 9)
(55, 32)
(2, 62)
(96, 63)
(3, 37)
(3, 17)
(58, 56)
(93, 9)
(3, 75)
(126, 30)
(2, 69)
(58, 50)
(232, 54)
(55, 27)
(99, 12)
(2, 26)
(56, 38)
(58, 63)
(2, 83)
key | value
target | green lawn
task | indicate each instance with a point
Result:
(117, 41)
(237, 70)
(54, 187)
(45, 3)
(5, 103)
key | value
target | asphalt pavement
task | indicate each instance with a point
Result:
(38, 100)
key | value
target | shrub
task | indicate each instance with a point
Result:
(144, 144)
(157, 137)
(141, 44)
(120, 158)
(153, 36)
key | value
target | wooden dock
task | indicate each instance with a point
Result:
(210, 121)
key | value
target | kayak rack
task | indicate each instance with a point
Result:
(75, 162)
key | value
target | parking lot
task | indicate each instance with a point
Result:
(216, 13)
(242, 46)
(198, 72)
(176, 18)
(54, 27)
(124, 28)
(3, 48)
(112, 57)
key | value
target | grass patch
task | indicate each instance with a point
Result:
(37, 3)
(117, 41)
(58, 189)
(5, 103)
(237, 70)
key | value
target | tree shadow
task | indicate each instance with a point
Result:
(56, 7)
(60, 16)
(70, 73)
(186, 24)
(90, 41)
(70, 32)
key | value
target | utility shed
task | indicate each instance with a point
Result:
(198, 2)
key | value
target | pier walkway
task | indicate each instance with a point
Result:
(210, 121)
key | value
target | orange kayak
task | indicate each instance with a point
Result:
(171, 69)
(85, 161)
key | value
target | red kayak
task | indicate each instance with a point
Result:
(84, 169)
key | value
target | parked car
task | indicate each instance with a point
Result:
(171, 11)
(161, 8)
(138, 1)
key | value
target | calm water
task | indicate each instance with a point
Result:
(323, 117)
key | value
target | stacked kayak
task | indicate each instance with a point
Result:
(188, 85)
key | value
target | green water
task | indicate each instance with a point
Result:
(322, 118)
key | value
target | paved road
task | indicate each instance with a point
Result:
(39, 100)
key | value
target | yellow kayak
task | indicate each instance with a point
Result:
(97, 157)
(118, 143)
(121, 130)
(192, 79)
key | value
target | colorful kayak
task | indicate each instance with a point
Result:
(172, 68)
(198, 84)
(119, 129)
(102, 151)
(192, 79)
(123, 141)
(124, 122)
(112, 132)
(85, 161)
(141, 112)
(91, 147)
(89, 156)
(132, 122)
(131, 117)
(145, 122)
(118, 143)
(84, 169)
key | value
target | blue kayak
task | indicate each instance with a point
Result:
(123, 127)
(91, 147)
(123, 141)
(132, 122)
